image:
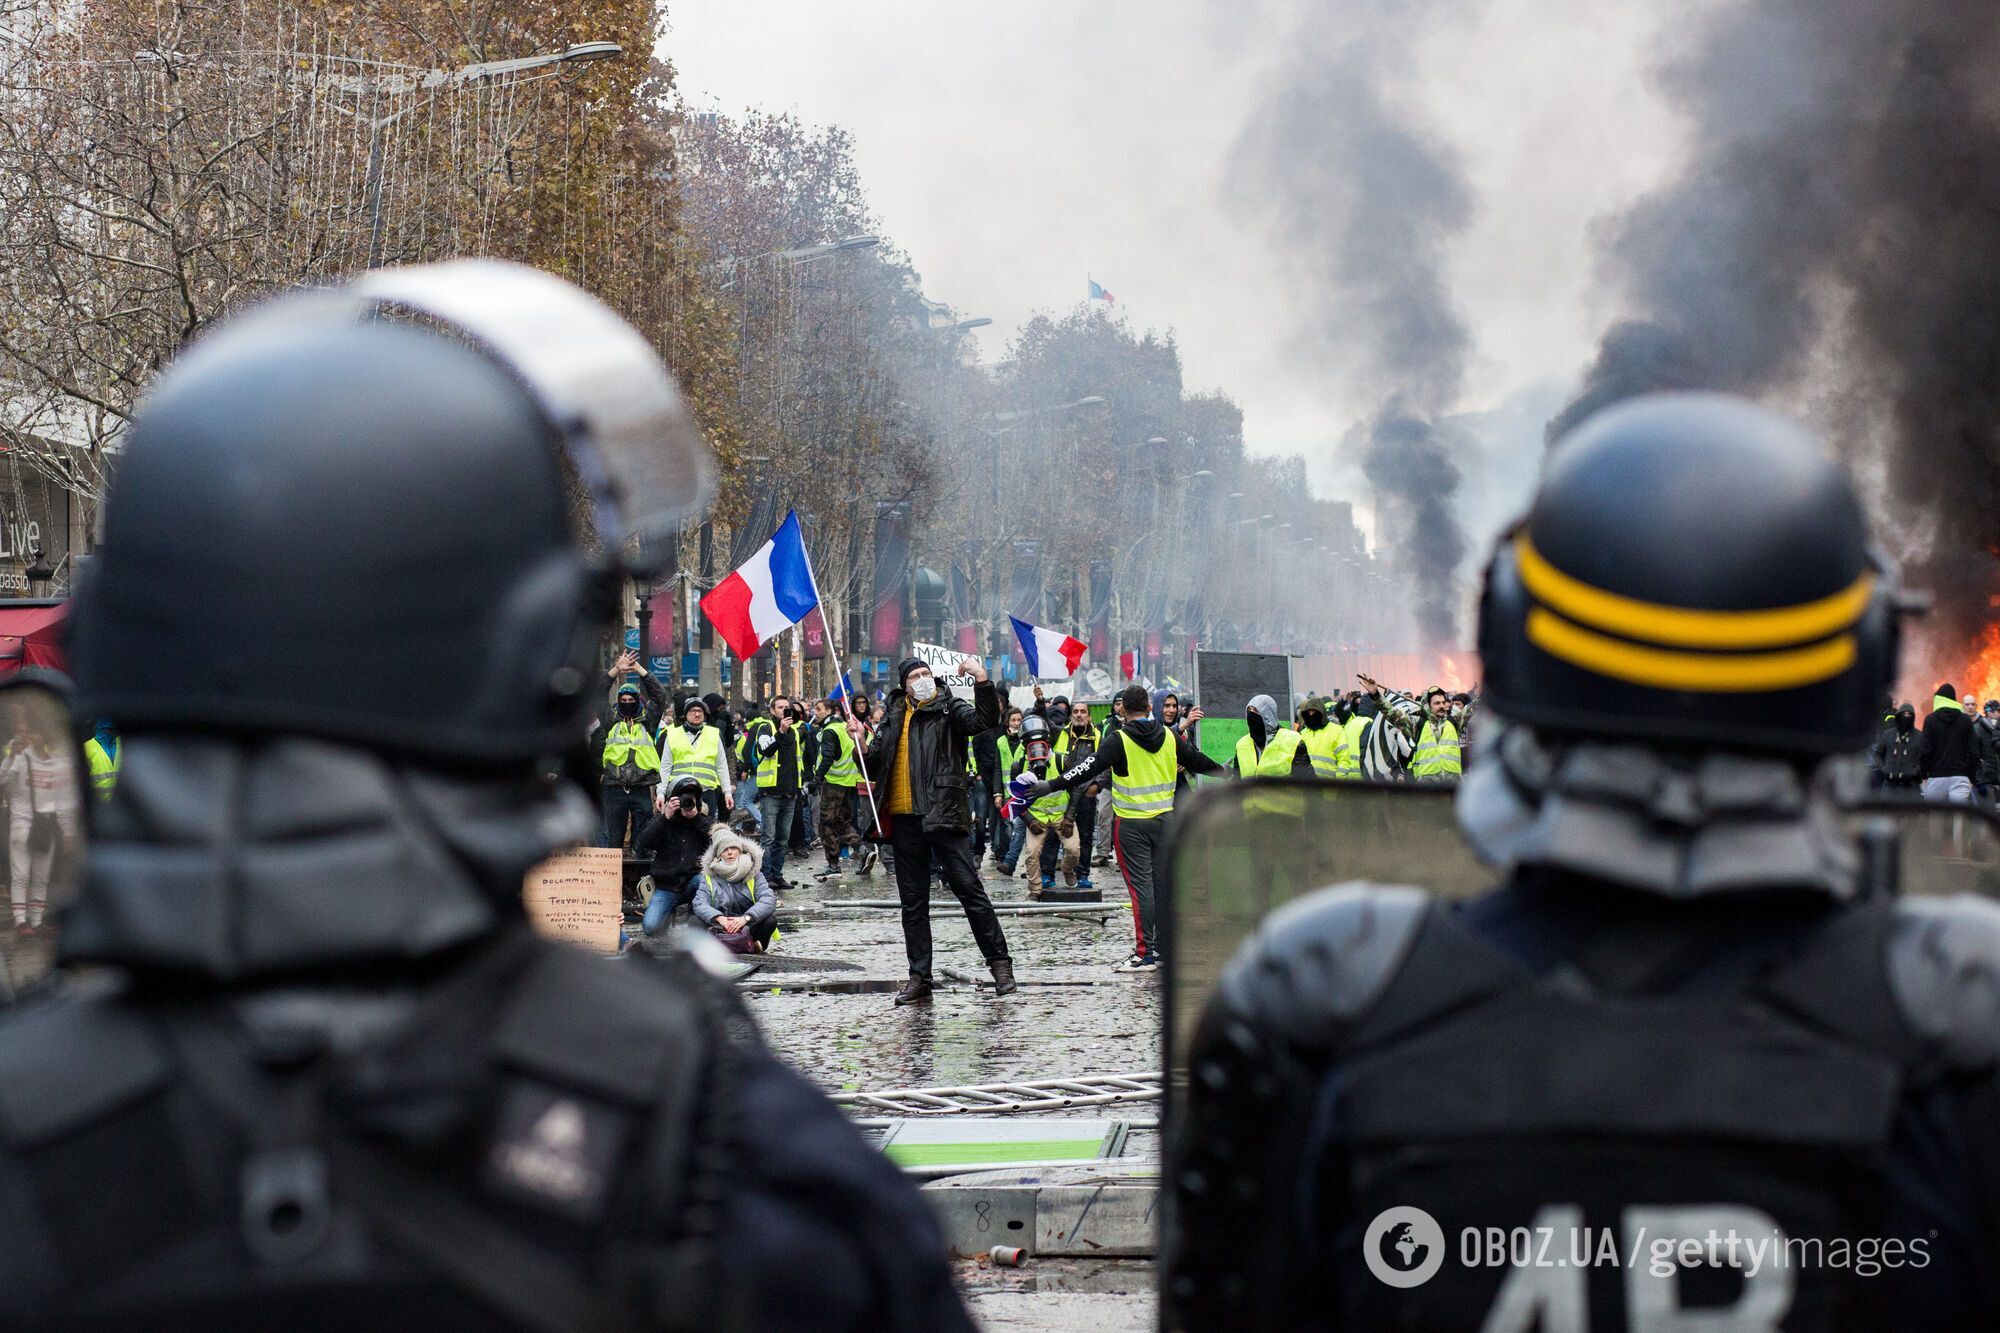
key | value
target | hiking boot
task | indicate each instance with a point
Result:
(915, 990)
(1003, 976)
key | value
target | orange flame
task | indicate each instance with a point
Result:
(1982, 678)
(1449, 675)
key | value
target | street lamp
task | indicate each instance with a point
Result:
(583, 53)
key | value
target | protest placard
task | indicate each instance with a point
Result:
(575, 897)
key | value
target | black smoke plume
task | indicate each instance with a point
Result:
(1366, 203)
(1835, 239)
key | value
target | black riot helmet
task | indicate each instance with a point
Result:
(333, 520)
(1696, 570)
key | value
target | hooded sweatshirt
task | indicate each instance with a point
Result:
(1949, 751)
(1148, 735)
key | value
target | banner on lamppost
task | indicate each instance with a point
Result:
(892, 576)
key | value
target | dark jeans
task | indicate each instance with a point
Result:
(916, 851)
(776, 812)
(661, 906)
(1137, 844)
(626, 810)
(1084, 812)
(801, 822)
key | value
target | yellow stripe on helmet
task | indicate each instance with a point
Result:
(1658, 623)
(1708, 673)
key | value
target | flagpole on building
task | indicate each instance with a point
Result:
(839, 668)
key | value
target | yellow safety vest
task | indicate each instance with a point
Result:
(1049, 809)
(1328, 748)
(698, 757)
(1010, 750)
(103, 767)
(626, 743)
(1275, 762)
(1350, 758)
(1437, 754)
(1065, 736)
(1146, 789)
(844, 771)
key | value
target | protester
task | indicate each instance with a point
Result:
(1050, 814)
(1986, 780)
(1324, 743)
(837, 774)
(1269, 748)
(1076, 743)
(1950, 749)
(918, 764)
(38, 775)
(779, 750)
(1897, 757)
(694, 749)
(732, 896)
(675, 840)
(1004, 834)
(1141, 758)
(1385, 748)
(628, 759)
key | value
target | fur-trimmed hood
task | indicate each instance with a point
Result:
(753, 855)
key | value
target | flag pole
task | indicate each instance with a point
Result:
(840, 671)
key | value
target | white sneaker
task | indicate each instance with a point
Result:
(1137, 963)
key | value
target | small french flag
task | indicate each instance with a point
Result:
(1017, 801)
(1099, 293)
(1047, 653)
(772, 592)
(1128, 663)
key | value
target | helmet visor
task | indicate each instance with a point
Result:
(635, 447)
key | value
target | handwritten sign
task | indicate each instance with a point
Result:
(575, 897)
(943, 663)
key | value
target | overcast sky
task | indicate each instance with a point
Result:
(1013, 149)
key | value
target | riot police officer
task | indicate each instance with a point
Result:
(1684, 1068)
(354, 571)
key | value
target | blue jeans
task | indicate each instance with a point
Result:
(621, 805)
(1015, 832)
(746, 793)
(776, 812)
(660, 907)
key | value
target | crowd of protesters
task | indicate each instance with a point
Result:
(1953, 756)
(935, 788)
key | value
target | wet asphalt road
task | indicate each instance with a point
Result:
(858, 1041)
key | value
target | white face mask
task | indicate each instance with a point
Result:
(923, 689)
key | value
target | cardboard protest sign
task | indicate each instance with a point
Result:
(943, 663)
(576, 897)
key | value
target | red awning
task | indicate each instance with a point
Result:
(31, 636)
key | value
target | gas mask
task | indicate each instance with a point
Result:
(1036, 740)
(923, 689)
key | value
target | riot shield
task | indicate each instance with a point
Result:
(46, 797)
(1242, 849)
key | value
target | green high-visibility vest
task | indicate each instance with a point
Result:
(1010, 750)
(103, 766)
(627, 744)
(1146, 789)
(1350, 758)
(844, 771)
(1065, 737)
(1327, 747)
(1437, 754)
(698, 756)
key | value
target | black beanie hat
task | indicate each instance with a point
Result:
(909, 664)
(1945, 691)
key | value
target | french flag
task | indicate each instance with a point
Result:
(1045, 651)
(772, 592)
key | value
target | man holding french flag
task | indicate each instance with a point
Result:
(917, 760)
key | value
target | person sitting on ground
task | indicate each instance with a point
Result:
(732, 897)
(677, 840)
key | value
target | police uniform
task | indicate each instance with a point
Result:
(321, 1074)
(1685, 1067)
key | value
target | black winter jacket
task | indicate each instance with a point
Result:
(676, 846)
(938, 780)
(1949, 751)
